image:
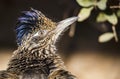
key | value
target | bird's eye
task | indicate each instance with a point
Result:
(41, 34)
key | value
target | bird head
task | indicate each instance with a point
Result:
(34, 26)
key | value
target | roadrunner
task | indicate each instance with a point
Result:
(36, 56)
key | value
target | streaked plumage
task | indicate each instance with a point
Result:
(31, 21)
(36, 56)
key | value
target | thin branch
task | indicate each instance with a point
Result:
(115, 33)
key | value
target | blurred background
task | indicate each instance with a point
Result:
(84, 56)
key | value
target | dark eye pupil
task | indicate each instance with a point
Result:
(43, 33)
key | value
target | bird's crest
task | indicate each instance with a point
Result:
(29, 22)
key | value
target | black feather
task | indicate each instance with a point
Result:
(26, 22)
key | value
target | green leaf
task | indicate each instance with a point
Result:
(86, 3)
(112, 19)
(101, 17)
(84, 13)
(118, 13)
(105, 37)
(102, 4)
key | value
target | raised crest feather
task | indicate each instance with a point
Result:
(26, 22)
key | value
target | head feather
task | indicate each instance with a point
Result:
(26, 23)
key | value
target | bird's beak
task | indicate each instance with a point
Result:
(62, 25)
